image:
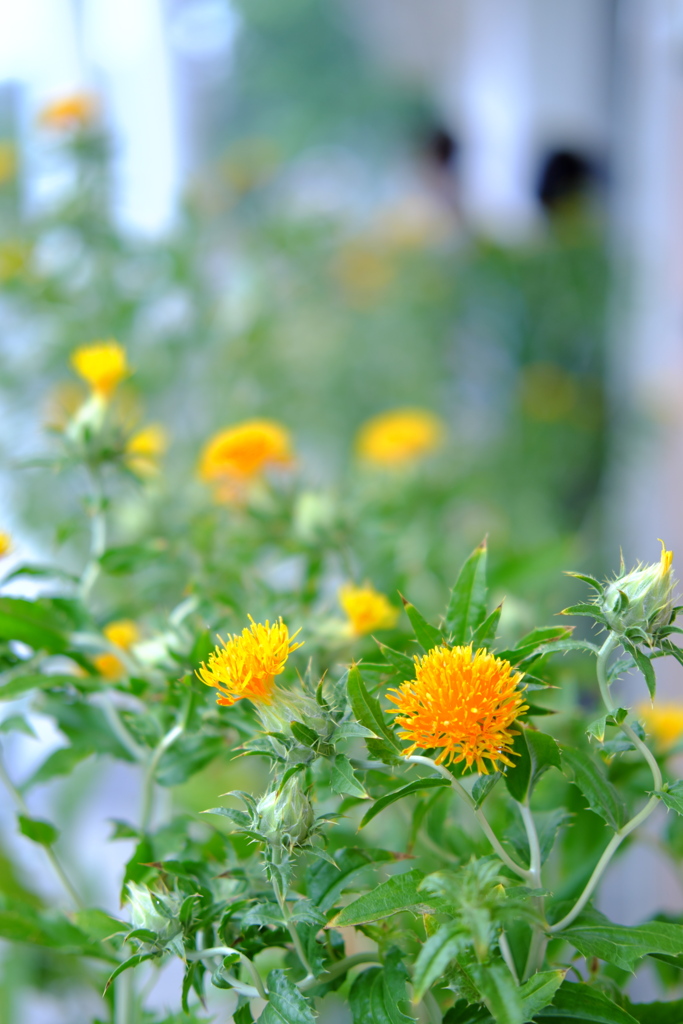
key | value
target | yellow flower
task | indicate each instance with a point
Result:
(8, 162)
(109, 666)
(5, 544)
(123, 633)
(399, 437)
(71, 112)
(102, 365)
(244, 451)
(366, 608)
(462, 704)
(364, 273)
(664, 722)
(246, 665)
(144, 449)
(14, 259)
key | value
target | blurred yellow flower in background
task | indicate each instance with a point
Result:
(5, 543)
(363, 271)
(75, 111)
(246, 665)
(145, 448)
(462, 704)
(14, 258)
(367, 608)
(122, 633)
(399, 437)
(664, 722)
(8, 162)
(244, 451)
(102, 365)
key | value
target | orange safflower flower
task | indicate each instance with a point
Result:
(462, 704)
(246, 665)
(400, 437)
(102, 365)
(70, 112)
(245, 450)
(367, 608)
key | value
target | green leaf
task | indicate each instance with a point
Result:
(467, 606)
(657, 1013)
(343, 778)
(243, 1015)
(376, 994)
(538, 991)
(132, 961)
(39, 831)
(22, 684)
(576, 1003)
(582, 609)
(485, 634)
(404, 665)
(325, 882)
(419, 786)
(435, 956)
(537, 752)
(672, 796)
(17, 723)
(396, 894)
(601, 795)
(594, 935)
(307, 737)
(483, 786)
(128, 558)
(428, 636)
(286, 1005)
(645, 665)
(59, 762)
(98, 925)
(590, 580)
(467, 1013)
(33, 623)
(367, 709)
(499, 991)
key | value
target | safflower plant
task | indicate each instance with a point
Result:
(434, 812)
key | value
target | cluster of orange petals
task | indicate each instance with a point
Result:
(462, 704)
(399, 437)
(70, 112)
(102, 364)
(243, 452)
(246, 665)
(366, 608)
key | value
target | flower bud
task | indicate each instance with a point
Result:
(641, 599)
(286, 816)
(160, 917)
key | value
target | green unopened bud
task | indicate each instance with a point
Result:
(641, 599)
(155, 912)
(286, 817)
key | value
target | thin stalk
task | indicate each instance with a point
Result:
(506, 953)
(539, 940)
(119, 729)
(124, 998)
(223, 951)
(478, 813)
(603, 657)
(339, 968)
(432, 1007)
(51, 855)
(291, 928)
(98, 537)
(150, 775)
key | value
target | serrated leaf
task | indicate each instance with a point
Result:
(590, 580)
(538, 991)
(132, 961)
(419, 786)
(39, 831)
(377, 994)
(594, 935)
(427, 636)
(239, 818)
(583, 609)
(325, 882)
(485, 633)
(537, 752)
(367, 709)
(468, 1013)
(435, 956)
(499, 991)
(343, 778)
(404, 665)
(306, 736)
(467, 605)
(97, 924)
(601, 795)
(645, 665)
(483, 786)
(286, 1005)
(390, 897)
(672, 796)
(576, 1003)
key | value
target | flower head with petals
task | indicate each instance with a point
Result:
(462, 704)
(399, 437)
(70, 112)
(366, 608)
(244, 451)
(102, 365)
(247, 663)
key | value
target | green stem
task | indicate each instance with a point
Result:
(119, 729)
(477, 811)
(603, 657)
(150, 775)
(339, 968)
(98, 537)
(432, 1007)
(223, 951)
(506, 953)
(51, 855)
(281, 898)
(539, 940)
